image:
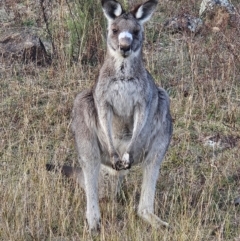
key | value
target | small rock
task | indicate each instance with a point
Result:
(183, 23)
(220, 141)
(22, 46)
(237, 201)
(218, 14)
(4, 16)
(215, 29)
(208, 5)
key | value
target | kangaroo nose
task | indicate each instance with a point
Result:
(125, 48)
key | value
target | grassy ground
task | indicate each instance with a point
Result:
(200, 177)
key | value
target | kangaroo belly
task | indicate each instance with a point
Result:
(122, 128)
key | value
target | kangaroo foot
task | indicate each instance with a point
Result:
(152, 219)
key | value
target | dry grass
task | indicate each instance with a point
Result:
(198, 182)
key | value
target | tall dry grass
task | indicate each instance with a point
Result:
(200, 177)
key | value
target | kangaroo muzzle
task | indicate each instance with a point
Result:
(125, 41)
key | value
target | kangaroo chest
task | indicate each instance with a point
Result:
(124, 95)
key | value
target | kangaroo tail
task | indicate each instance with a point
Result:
(74, 173)
(65, 170)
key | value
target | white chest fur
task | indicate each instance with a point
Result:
(123, 96)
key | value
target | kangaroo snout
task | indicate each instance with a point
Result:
(125, 50)
(125, 42)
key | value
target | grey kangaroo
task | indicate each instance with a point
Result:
(124, 119)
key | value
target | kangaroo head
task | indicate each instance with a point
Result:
(125, 29)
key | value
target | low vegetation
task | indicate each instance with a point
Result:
(199, 183)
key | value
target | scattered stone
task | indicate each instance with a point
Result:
(209, 5)
(213, 14)
(221, 142)
(183, 23)
(218, 14)
(237, 201)
(22, 46)
(216, 29)
(5, 16)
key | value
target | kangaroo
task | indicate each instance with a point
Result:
(124, 119)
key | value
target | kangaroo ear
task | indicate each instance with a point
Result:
(111, 9)
(143, 12)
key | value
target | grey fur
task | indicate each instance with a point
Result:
(124, 119)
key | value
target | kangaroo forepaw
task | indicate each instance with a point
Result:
(116, 162)
(118, 166)
(123, 164)
(127, 160)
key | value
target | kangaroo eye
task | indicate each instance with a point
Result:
(136, 32)
(114, 31)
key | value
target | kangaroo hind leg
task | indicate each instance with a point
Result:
(87, 145)
(146, 205)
